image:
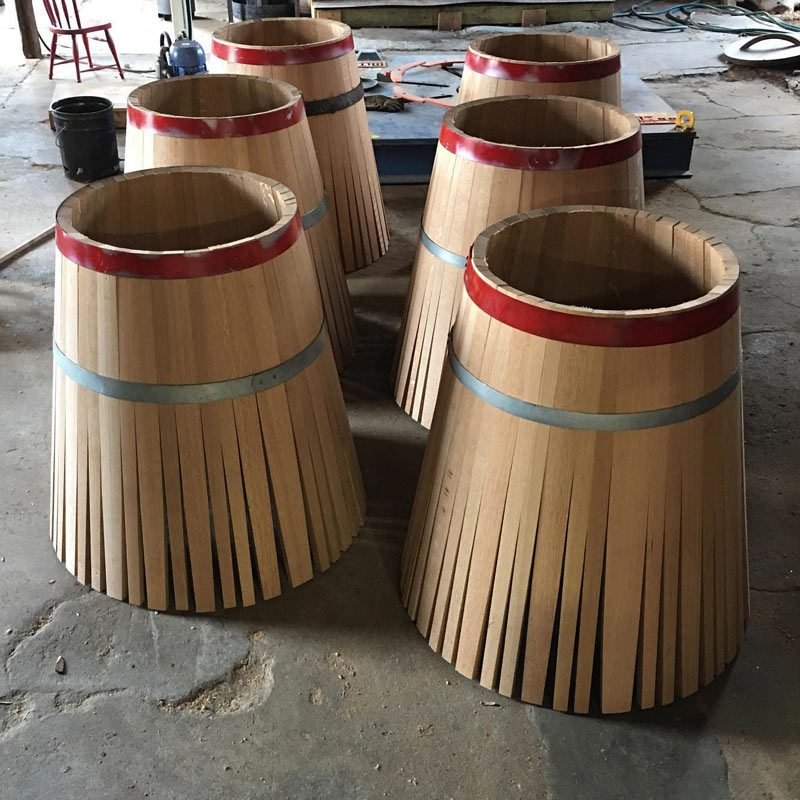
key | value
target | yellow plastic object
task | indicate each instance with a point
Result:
(684, 120)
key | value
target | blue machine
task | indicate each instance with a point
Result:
(184, 56)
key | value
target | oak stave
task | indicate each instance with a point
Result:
(170, 494)
(317, 57)
(533, 63)
(598, 550)
(486, 169)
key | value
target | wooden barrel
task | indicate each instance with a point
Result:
(317, 56)
(251, 124)
(201, 447)
(579, 523)
(495, 158)
(542, 63)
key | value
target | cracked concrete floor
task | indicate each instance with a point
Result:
(329, 691)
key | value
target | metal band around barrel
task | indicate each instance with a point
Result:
(440, 252)
(179, 264)
(172, 394)
(329, 105)
(537, 159)
(255, 124)
(542, 71)
(278, 56)
(316, 214)
(583, 421)
(666, 326)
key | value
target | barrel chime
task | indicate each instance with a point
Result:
(252, 124)
(497, 157)
(579, 521)
(200, 439)
(317, 57)
(542, 63)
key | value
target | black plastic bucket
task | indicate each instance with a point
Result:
(261, 9)
(86, 136)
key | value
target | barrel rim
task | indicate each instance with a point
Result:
(602, 327)
(233, 256)
(543, 71)
(182, 126)
(282, 55)
(511, 156)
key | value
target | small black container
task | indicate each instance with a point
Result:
(86, 136)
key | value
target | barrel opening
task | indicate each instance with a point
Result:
(174, 209)
(542, 121)
(283, 32)
(214, 96)
(545, 47)
(603, 260)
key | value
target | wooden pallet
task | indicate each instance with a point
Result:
(454, 14)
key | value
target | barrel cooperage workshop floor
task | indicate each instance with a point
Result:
(329, 691)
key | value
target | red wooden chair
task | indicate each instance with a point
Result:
(61, 24)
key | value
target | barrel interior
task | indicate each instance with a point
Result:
(173, 210)
(214, 96)
(603, 260)
(283, 32)
(545, 47)
(542, 121)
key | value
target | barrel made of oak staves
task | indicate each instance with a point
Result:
(579, 525)
(201, 449)
(317, 56)
(253, 124)
(542, 63)
(495, 158)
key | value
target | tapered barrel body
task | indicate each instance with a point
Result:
(498, 157)
(579, 525)
(317, 57)
(542, 63)
(201, 449)
(251, 124)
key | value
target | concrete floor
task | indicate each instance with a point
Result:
(329, 691)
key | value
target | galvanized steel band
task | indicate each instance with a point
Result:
(509, 156)
(172, 394)
(665, 326)
(278, 56)
(330, 105)
(542, 71)
(256, 124)
(172, 265)
(584, 421)
(311, 218)
(440, 252)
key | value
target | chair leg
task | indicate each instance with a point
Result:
(53, 54)
(76, 56)
(114, 53)
(88, 51)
